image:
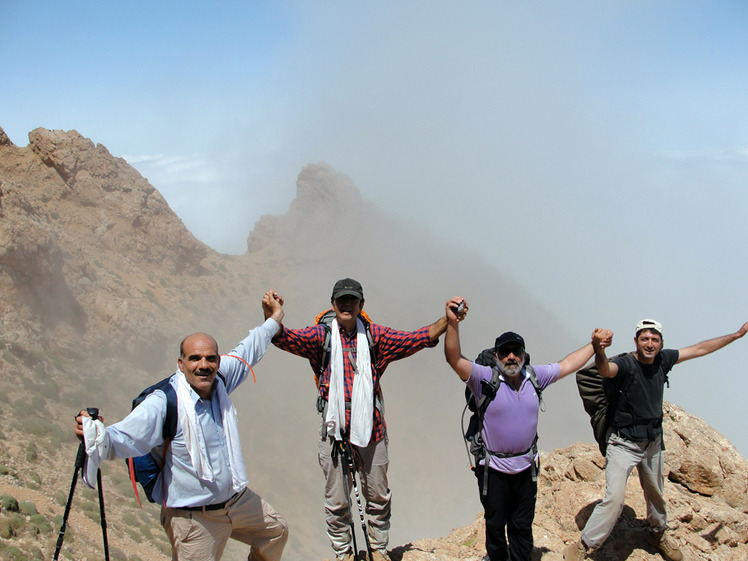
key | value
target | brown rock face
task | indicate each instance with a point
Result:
(704, 461)
(82, 239)
(124, 213)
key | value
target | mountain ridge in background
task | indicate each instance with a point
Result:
(101, 280)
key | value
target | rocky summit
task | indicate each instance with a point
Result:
(100, 281)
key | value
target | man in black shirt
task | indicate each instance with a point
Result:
(636, 440)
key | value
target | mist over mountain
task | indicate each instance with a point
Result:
(101, 281)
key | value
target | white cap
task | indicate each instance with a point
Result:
(649, 324)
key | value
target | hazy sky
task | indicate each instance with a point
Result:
(595, 151)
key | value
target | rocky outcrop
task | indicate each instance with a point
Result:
(4, 139)
(326, 205)
(83, 239)
(124, 213)
(703, 461)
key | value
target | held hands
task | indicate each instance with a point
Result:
(456, 309)
(601, 339)
(272, 305)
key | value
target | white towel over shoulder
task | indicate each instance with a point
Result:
(362, 398)
(195, 441)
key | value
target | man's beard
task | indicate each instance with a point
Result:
(511, 369)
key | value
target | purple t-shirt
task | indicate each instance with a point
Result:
(511, 420)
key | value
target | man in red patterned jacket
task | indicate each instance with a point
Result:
(350, 407)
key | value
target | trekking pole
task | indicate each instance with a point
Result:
(352, 468)
(339, 451)
(103, 515)
(80, 460)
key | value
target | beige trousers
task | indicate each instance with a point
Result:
(374, 495)
(202, 535)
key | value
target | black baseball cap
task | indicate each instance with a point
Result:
(510, 337)
(348, 287)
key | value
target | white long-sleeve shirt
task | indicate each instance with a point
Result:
(141, 431)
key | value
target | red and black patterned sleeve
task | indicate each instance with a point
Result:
(306, 342)
(393, 345)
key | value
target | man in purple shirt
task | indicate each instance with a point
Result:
(509, 430)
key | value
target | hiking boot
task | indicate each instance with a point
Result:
(666, 545)
(576, 551)
(347, 557)
(379, 555)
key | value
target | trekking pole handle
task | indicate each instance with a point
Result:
(80, 458)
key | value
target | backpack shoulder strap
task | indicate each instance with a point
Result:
(325, 319)
(617, 386)
(170, 421)
(489, 392)
(536, 385)
(370, 339)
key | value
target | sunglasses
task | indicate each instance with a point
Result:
(516, 351)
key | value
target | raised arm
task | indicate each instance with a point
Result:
(272, 307)
(452, 351)
(605, 368)
(710, 345)
(437, 328)
(601, 338)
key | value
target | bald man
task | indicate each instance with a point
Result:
(203, 485)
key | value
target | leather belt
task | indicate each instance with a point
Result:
(213, 506)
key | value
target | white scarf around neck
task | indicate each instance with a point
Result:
(362, 398)
(195, 440)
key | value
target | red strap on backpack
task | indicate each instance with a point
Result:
(131, 469)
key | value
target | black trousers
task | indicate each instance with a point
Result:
(509, 506)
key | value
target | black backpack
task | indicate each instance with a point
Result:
(473, 440)
(600, 398)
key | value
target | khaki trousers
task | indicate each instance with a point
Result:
(371, 478)
(197, 535)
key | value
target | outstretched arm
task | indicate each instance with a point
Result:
(452, 351)
(572, 362)
(710, 345)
